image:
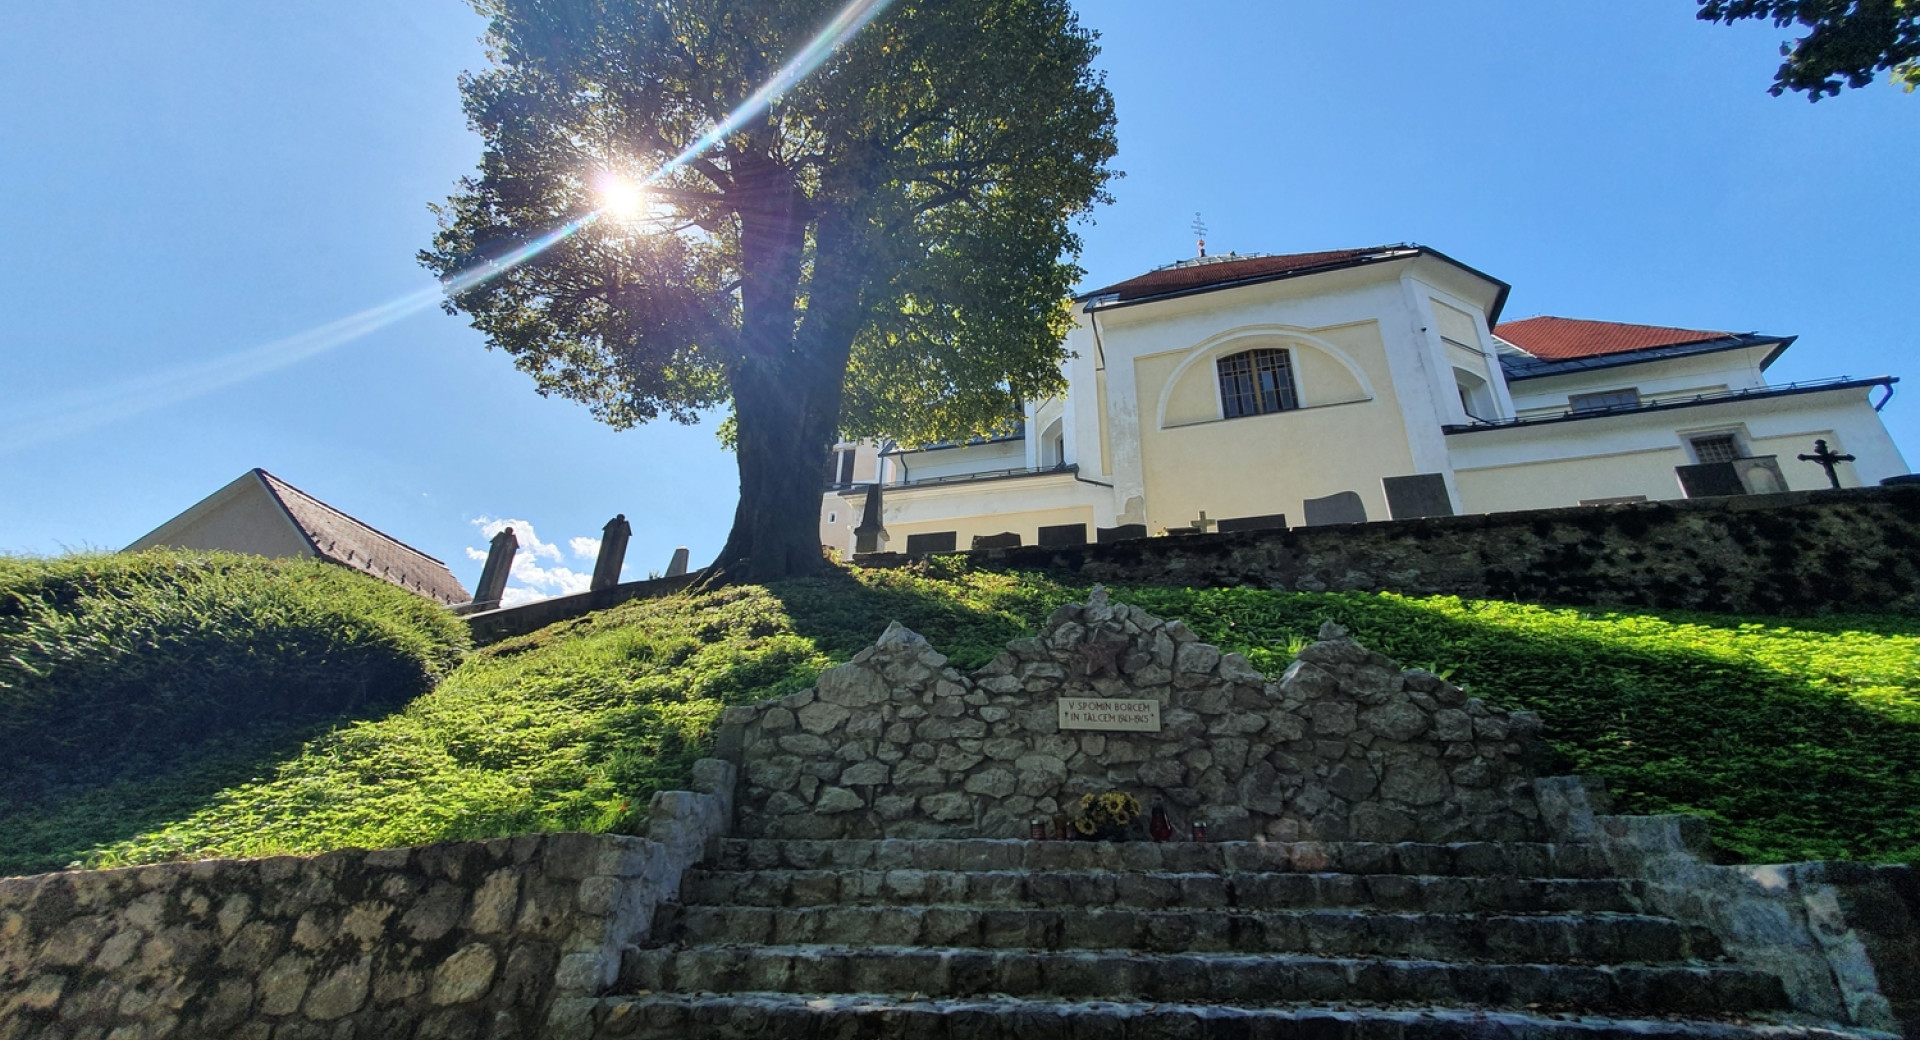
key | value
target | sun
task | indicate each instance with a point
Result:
(621, 198)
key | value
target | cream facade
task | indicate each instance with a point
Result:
(1251, 391)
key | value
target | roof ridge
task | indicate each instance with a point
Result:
(272, 481)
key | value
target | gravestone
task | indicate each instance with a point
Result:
(1760, 475)
(493, 575)
(613, 553)
(937, 542)
(1422, 494)
(677, 566)
(1063, 536)
(1004, 540)
(1120, 534)
(1710, 479)
(1343, 508)
(1270, 522)
(870, 536)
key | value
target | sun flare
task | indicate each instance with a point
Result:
(621, 198)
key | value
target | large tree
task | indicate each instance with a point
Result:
(1848, 42)
(885, 248)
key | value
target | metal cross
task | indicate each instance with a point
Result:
(1827, 460)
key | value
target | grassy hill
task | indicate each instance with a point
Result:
(1799, 737)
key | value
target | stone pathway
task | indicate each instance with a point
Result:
(1012, 940)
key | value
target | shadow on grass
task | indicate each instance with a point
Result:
(55, 814)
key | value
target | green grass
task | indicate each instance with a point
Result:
(1800, 738)
(135, 687)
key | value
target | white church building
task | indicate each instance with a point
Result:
(1246, 392)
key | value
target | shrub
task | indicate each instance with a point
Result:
(106, 657)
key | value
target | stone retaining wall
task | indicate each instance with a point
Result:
(462, 939)
(1844, 938)
(1345, 746)
(1804, 552)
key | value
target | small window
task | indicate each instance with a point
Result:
(833, 518)
(1256, 382)
(1608, 401)
(1721, 447)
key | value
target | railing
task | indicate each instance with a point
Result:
(1669, 402)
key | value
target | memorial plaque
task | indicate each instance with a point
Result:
(1710, 480)
(1422, 494)
(1006, 540)
(1122, 533)
(1063, 536)
(1105, 713)
(1270, 522)
(938, 542)
(1343, 508)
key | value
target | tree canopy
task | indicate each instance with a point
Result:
(899, 225)
(1848, 42)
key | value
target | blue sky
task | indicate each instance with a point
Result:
(182, 183)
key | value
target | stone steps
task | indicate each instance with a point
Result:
(783, 1016)
(1544, 939)
(1156, 890)
(1200, 978)
(1524, 859)
(987, 939)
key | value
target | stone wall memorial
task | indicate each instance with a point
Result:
(457, 940)
(1345, 746)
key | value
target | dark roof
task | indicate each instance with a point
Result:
(1208, 273)
(341, 539)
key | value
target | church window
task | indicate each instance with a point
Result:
(840, 467)
(1720, 447)
(1607, 401)
(1256, 382)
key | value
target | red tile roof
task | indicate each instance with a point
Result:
(1214, 271)
(1559, 339)
(350, 543)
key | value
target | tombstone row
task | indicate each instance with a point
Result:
(606, 567)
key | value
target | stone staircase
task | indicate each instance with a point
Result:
(997, 940)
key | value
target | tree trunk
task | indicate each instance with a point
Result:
(787, 384)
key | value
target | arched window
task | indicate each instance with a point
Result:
(1256, 382)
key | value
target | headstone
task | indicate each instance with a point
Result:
(1120, 534)
(1005, 540)
(677, 567)
(1423, 494)
(870, 536)
(1343, 508)
(937, 542)
(1760, 475)
(1903, 480)
(1063, 536)
(1202, 525)
(1270, 522)
(493, 575)
(613, 553)
(1710, 479)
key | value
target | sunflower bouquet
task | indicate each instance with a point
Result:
(1106, 817)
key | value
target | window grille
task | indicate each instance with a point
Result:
(1718, 448)
(1605, 402)
(1256, 382)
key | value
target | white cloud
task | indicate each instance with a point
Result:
(528, 579)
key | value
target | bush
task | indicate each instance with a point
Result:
(110, 658)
